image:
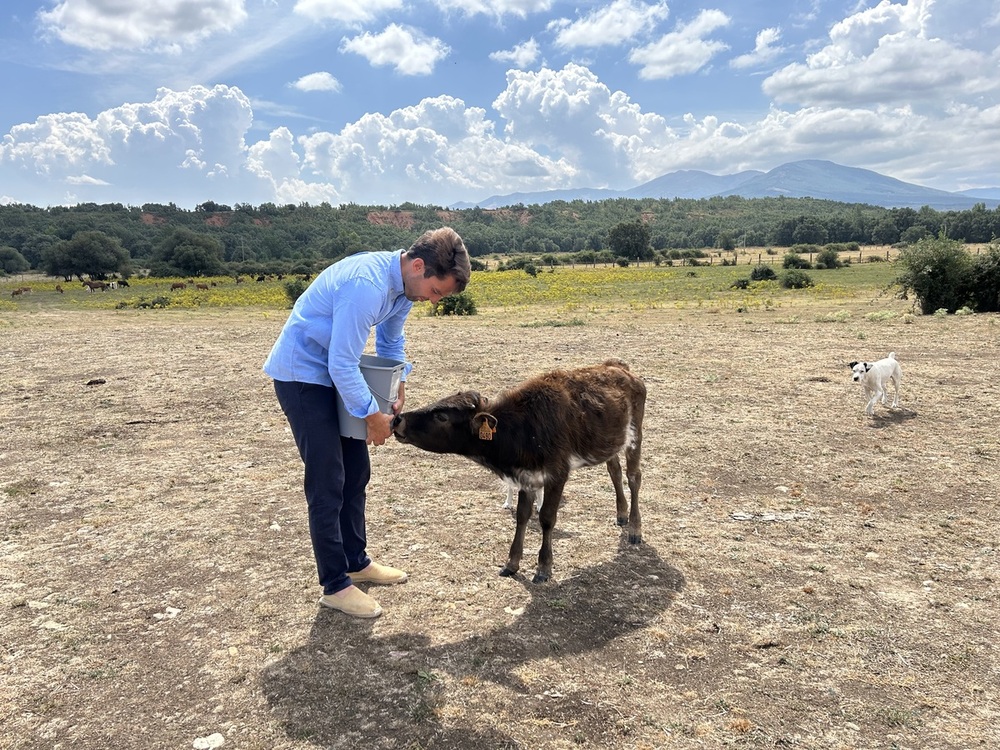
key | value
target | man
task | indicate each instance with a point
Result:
(316, 356)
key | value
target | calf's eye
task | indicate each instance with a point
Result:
(441, 417)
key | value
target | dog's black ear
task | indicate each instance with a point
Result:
(851, 364)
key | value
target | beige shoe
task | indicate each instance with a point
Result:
(355, 603)
(379, 574)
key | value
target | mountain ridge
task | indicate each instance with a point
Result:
(807, 178)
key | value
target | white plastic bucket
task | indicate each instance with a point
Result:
(383, 376)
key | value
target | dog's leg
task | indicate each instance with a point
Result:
(876, 392)
(896, 379)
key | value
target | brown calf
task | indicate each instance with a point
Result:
(534, 434)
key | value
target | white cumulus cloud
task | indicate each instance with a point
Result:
(684, 51)
(765, 49)
(521, 56)
(885, 55)
(407, 50)
(162, 24)
(321, 81)
(608, 25)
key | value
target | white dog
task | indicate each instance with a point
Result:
(875, 377)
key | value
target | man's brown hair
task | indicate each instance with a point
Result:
(443, 253)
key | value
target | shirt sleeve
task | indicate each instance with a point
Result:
(390, 340)
(353, 315)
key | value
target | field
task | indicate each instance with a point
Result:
(810, 577)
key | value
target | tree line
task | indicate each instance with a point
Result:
(215, 239)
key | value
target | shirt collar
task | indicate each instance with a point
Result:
(396, 275)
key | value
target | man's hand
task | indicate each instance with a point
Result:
(379, 428)
(397, 407)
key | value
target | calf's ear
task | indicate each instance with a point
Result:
(486, 424)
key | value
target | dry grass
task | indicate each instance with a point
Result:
(811, 578)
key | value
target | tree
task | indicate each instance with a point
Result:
(885, 232)
(809, 231)
(11, 261)
(630, 240)
(91, 253)
(187, 253)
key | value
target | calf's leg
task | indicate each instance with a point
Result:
(615, 470)
(547, 520)
(524, 498)
(633, 470)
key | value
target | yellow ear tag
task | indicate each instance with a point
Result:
(485, 431)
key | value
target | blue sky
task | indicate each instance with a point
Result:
(388, 101)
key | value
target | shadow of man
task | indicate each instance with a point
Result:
(349, 688)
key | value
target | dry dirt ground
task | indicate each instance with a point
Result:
(810, 578)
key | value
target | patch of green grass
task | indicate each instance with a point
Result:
(23, 488)
(572, 322)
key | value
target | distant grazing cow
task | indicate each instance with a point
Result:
(178, 285)
(16, 292)
(534, 434)
(93, 286)
(59, 289)
(202, 287)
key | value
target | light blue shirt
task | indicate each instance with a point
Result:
(326, 333)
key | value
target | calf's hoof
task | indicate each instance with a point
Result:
(540, 578)
(507, 572)
(623, 520)
(635, 538)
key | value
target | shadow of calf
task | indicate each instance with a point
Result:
(348, 688)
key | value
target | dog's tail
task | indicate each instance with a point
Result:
(892, 355)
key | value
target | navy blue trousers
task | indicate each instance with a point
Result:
(337, 470)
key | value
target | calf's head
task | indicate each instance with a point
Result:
(452, 425)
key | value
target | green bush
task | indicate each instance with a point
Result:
(985, 282)
(795, 279)
(939, 273)
(156, 303)
(294, 289)
(794, 260)
(762, 273)
(455, 304)
(828, 258)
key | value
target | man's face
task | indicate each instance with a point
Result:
(419, 288)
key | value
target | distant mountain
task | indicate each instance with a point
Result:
(810, 178)
(690, 183)
(990, 193)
